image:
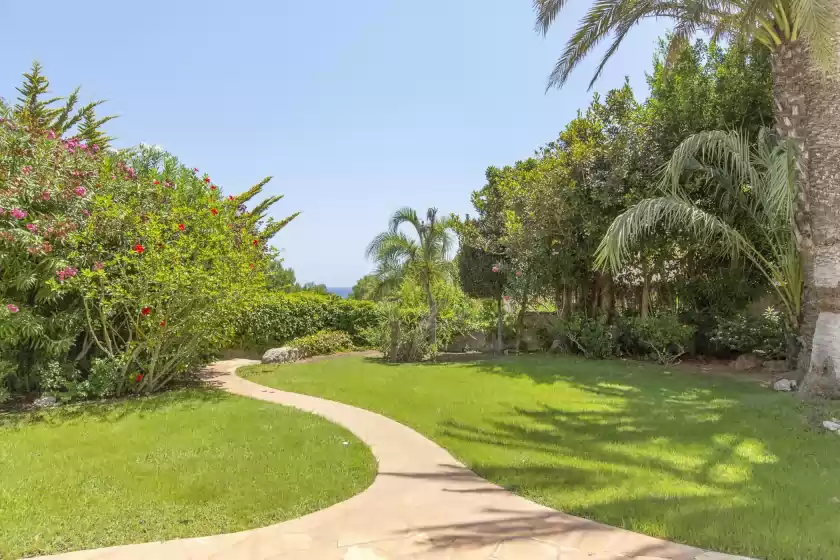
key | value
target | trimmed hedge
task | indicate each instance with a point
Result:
(282, 317)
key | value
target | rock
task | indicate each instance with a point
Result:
(556, 346)
(831, 425)
(281, 355)
(784, 385)
(44, 401)
(775, 366)
(747, 362)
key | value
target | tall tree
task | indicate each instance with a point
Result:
(803, 37)
(426, 258)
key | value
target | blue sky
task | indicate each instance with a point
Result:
(356, 108)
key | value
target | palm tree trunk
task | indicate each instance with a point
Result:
(432, 313)
(807, 105)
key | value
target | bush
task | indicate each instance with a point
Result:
(322, 343)
(46, 187)
(279, 317)
(165, 265)
(590, 337)
(661, 338)
(742, 334)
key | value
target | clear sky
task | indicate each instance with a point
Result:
(356, 108)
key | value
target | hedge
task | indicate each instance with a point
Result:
(282, 317)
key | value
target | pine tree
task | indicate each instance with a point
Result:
(39, 115)
(90, 129)
(31, 111)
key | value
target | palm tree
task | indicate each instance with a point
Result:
(757, 181)
(398, 256)
(803, 36)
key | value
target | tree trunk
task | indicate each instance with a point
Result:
(499, 342)
(606, 297)
(807, 105)
(432, 316)
(567, 302)
(520, 320)
(644, 307)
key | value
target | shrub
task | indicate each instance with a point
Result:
(742, 334)
(322, 343)
(279, 317)
(662, 337)
(590, 337)
(166, 264)
(46, 187)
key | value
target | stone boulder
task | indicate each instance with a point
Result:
(44, 401)
(746, 362)
(281, 355)
(831, 425)
(785, 385)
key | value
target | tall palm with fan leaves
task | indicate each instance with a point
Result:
(804, 39)
(425, 258)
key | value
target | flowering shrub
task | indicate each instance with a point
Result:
(322, 343)
(46, 184)
(160, 298)
(763, 335)
(279, 317)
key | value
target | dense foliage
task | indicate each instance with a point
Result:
(120, 271)
(279, 317)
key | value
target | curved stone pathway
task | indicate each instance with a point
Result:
(423, 504)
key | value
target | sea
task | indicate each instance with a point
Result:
(342, 292)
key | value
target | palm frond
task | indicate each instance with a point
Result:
(547, 12)
(669, 213)
(817, 21)
(405, 215)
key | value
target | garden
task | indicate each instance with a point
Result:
(602, 335)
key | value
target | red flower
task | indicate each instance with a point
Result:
(163, 323)
(256, 242)
(182, 227)
(139, 249)
(146, 311)
(251, 265)
(195, 169)
(214, 211)
(156, 182)
(138, 378)
(231, 197)
(207, 179)
(212, 187)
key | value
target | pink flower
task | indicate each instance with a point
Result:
(518, 273)
(32, 227)
(51, 134)
(26, 169)
(98, 266)
(45, 195)
(495, 269)
(85, 213)
(94, 148)
(195, 169)
(66, 273)
(80, 191)
(12, 308)
(18, 214)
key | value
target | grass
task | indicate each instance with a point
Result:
(180, 464)
(709, 461)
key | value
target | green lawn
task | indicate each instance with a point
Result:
(713, 462)
(180, 464)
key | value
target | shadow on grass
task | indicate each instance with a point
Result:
(115, 409)
(704, 461)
